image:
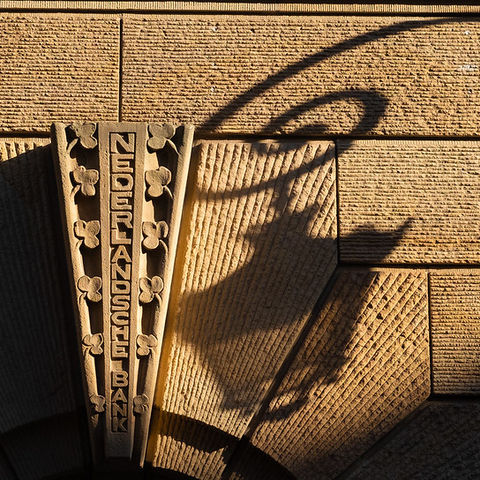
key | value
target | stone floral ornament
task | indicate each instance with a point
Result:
(83, 134)
(90, 288)
(93, 344)
(98, 403)
(146, 344)
(122, 187)
(160, 136)
(154, 233)
(85, 180)
(150, 289)
(157, 181)
(140, 403)
(87, 233)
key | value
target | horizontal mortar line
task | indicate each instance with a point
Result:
(265, 137)
(419, 266)
(25, 135)
(452, 397)
(334, 137)
(266, 13)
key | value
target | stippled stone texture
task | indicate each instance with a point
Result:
(57, 67)
(315, 75)
(46, 448)
(36, 374)
(259, 247)
(406, 201)
(241, 7)
(40, 431)
(363, 367)
(455, 320)
(439, 443)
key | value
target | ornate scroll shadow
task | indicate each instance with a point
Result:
(122, 186)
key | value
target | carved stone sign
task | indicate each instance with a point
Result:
(122, 189)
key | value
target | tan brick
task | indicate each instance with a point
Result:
(259, 249)
(57, 67)
(363, 367)
(294, 74)
(440, 442)
(455, 318)
(409, 201)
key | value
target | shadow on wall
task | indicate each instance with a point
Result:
(39, 365)
(273, 245)
(36, 321)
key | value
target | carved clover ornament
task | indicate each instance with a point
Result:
(98, 403)
(120, 185)
(140, 403)
(154, 233)
(90, 287)
(87, 232)
(157, 181)
(85, 180)
(146, 344)
(83, 134)
(93, 344)
(150, 289)
(160, 136)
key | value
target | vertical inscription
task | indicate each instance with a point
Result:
(122, 165)
(122, 239)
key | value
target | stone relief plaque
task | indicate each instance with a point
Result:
(121, 187)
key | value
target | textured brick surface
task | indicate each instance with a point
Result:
(260, 247)
(191, 447)
(455, 314)
(36, 372)
(57, 67)
(230, 6)
(50, 447)
(409, 201)
(363, 367)
(304, 74)
(6, 471)
(440, 443)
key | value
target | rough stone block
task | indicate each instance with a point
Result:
(259, 247)
(191, 447)
(363, 367)
(57, 67)
(48, 448)
(303, 74)
(455, 320)
(409, 201)
(441, 441)
(37, 377)
(6, 471)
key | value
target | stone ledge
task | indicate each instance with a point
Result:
(241, 7)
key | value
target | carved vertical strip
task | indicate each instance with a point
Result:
(123, 186)
(66, 165)
(172, 216)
